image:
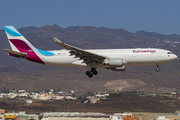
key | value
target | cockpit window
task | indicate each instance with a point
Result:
(169, 52)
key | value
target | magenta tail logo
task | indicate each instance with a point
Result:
(20, 44)
(23, 47)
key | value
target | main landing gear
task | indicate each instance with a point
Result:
(157, 69)
(91, 72)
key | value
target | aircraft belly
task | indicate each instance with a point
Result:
(60, 61)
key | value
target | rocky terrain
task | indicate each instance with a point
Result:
(116, 104)
(19, 74)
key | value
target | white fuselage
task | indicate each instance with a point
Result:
(137, 56)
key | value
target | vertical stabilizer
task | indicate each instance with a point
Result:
(20, 44)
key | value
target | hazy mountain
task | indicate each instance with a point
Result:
(1, 62)
(88, 37)
(6, 68)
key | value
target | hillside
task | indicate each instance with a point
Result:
(117, 104)
(6, 68)
(88, 37)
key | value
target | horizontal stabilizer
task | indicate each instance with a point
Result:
(16, 53)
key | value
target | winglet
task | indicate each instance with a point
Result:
(61, 43)
(56, 40)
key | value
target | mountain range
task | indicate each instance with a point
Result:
(89, 37)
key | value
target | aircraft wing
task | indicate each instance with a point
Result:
(87, 56)
(16, 53)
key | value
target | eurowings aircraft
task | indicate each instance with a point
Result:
(113, 59)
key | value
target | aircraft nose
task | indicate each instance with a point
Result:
(174, 56)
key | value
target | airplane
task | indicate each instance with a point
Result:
(112, 59)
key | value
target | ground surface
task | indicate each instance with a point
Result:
(117, 103)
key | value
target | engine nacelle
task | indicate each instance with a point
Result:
(116, 62)
(123, 68)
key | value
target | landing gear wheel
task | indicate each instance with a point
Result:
(93, 70)
(89, 74)
(157, 69)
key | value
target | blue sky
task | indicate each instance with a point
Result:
(161, 16)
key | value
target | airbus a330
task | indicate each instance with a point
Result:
(112, 59)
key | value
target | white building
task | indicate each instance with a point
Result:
(162, 118)
(119, 116)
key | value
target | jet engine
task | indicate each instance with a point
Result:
(116, 62)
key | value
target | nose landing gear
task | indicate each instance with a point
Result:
(91, 72)
(157, 69)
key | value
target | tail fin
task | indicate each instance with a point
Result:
(20, 44)
(17, 41)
